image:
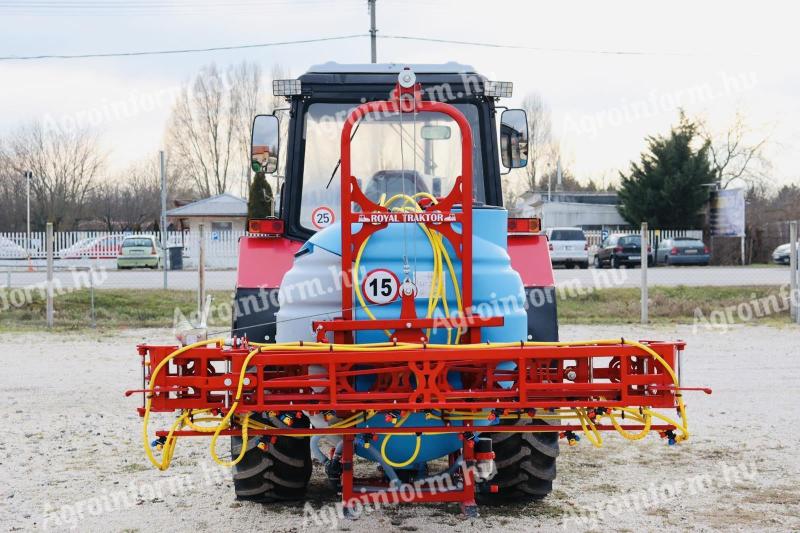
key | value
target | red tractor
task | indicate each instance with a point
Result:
(393, 310)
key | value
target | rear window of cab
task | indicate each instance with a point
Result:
(567, 235)
(136, 243)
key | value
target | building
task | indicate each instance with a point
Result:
(587, 210)
(218, 214)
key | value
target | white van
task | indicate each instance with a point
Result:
(568, 247)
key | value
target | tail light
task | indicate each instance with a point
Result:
(586, 247)
(674, 251)
(153, 250)
(550, 246)
(524, 226)
(649, 249)
(265, 226)
(618, 249)
(706, 250)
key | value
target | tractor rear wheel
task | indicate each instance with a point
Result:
(279, 473)
(526, 466)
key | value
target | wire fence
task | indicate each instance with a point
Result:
(88, 286)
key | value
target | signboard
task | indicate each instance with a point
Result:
(322, 217)
(380, 287)
(727, 213)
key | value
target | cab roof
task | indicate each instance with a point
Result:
(332, 67)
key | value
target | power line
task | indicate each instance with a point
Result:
(346, 37)
(532, 48)
(180, 51)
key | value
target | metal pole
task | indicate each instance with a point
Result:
(644, 259)
(201, 271)
(49, 247)
(744, 262)
(28, 175)
(373, 32)
(793, 296)
(163, 166)
(91, 293)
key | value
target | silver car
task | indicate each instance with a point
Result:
(568, 247)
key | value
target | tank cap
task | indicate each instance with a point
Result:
(406, 78)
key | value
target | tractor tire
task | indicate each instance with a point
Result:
(278, 474)
(526, 466)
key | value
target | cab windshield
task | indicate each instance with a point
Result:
(428, 160)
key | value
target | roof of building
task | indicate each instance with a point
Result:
(222, 205)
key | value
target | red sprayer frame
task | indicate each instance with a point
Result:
(593, 376)
(372, 217)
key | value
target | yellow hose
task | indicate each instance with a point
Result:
(414, 454)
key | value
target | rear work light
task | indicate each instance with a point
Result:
(286, 87)
(524, 226)
(498, 89)
(265, 226)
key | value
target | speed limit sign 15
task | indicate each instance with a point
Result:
(380, 286)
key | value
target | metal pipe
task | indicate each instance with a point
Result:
(645, 255)
(201, 272)
(162, 165)
(49, 247)
(794, 298)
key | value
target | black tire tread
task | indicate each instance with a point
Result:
(526, 466)
(278, 474)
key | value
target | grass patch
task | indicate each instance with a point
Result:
(114, 308)
(677, 305)
(126, 308)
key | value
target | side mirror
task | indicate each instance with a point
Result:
(264, 144)
(514, 138)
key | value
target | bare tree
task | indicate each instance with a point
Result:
(540, 143)
(736, 153)
(132, 199)
(209, 131)
(12, 198)
(65, 166)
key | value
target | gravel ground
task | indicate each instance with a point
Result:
(71, 455)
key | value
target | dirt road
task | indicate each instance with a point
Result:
(71, 457)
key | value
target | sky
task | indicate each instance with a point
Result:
(611, 73)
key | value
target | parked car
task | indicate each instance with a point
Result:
(682, 251)
(11, 250)
(140, 251)
(781, 254)
(568, 247)
(93, 248)
(619, 250)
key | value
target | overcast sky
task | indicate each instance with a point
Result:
(712, 58)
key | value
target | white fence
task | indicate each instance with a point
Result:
(222, 248)
(594, 237)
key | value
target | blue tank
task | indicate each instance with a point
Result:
(497, 290)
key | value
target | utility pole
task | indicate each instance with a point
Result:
(373, 32)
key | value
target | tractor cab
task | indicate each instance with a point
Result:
(392, 153)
